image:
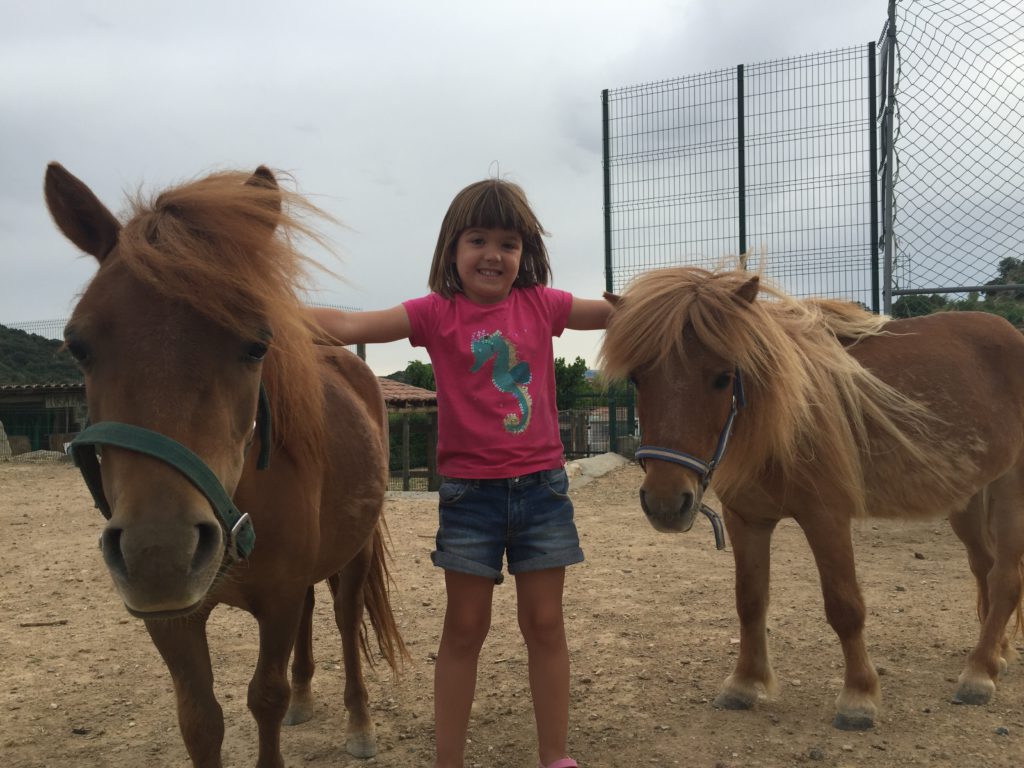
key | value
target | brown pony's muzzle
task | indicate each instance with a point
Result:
(163, 544)
(670, 509)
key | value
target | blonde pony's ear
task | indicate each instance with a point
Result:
(748, 291)
(263, 179)
(612, 298)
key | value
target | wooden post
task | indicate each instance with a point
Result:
(434, 481)
(405, 451)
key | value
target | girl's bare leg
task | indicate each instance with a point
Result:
(539, 601)
(467, 619)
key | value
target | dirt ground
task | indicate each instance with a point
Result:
(653, 633)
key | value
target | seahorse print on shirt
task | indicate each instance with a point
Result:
(508, 375)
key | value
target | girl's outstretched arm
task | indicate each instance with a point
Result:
(588, 314)
(375, 327)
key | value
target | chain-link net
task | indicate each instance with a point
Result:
(959, 141)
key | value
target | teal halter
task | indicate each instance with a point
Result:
(237, 525)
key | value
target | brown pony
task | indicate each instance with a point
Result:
(193, 340)
(836, 413)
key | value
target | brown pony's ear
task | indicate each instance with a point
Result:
(79, 214)
(612, 298)
(264, 178)
(748, 291)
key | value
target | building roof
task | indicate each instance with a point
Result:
(40, 389)
(399, 395)
(396, 394)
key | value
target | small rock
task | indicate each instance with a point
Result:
(816, 753)
(918, 556)
(1002, 730)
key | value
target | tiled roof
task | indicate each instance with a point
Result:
(396, 394)
(399, 395)
(28, 389)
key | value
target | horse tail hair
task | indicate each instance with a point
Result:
(1019, 625)
(377, 597)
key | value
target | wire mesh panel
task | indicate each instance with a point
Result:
(48, 329)
(809, 173)
(773, 158)
(959, 139)
(671, 173)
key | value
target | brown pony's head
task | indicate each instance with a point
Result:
(682, 334)
(193, 306)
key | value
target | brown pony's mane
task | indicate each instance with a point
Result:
(227, 249)
(811, 403)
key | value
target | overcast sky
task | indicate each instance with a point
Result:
(382, 110)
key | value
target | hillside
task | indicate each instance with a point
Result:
(26, 358)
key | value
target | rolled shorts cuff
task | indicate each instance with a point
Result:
(548, 560)
(451, 562)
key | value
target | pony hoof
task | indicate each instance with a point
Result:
(361, 745)
(298, 714)
(729, 700)
(972, 696)
(974, 690)
(854, 722)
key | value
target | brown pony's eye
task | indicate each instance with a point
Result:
(257, 351)
(78, 351)
(722, 380)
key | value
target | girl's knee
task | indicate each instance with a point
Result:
(543, 630)
(464, 638)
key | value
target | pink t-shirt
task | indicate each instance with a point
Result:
(495, 373)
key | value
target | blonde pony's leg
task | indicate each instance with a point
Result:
(752, 679)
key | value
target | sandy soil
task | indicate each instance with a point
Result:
(653, 634)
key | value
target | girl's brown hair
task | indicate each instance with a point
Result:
(489, 204)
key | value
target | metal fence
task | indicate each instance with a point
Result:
(48, 329)
(864, 173)
(775, 157)
(599, 423)
(957, 80)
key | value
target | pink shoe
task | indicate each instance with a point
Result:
(565, 762)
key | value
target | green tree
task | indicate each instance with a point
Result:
(918, 304)
(1008, 303)
(570, 381)
(26, 358)
(1011, 272)
(416, 374)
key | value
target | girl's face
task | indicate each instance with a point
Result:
(487, 262)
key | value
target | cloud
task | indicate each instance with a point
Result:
(381, 111)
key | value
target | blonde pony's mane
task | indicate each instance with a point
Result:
(227, 249)
(808, 397)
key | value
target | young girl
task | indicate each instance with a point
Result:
(487, 326)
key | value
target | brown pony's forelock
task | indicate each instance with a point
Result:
(228, 250)
(809, 401)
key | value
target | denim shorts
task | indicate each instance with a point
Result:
(528, 518)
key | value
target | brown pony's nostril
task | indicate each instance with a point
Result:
(110, 545)
(208, 544)
(686, 504)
